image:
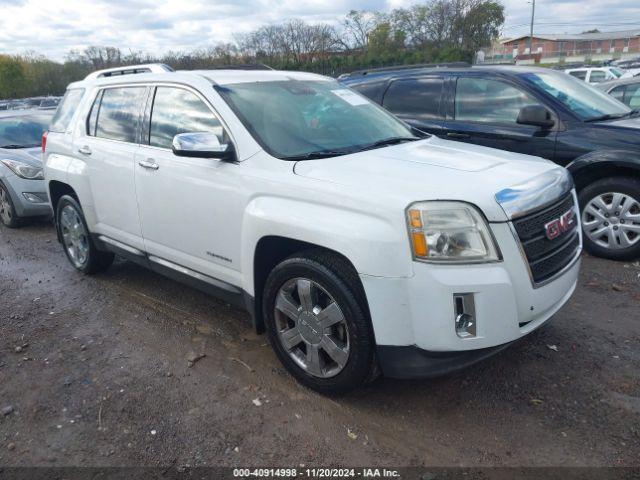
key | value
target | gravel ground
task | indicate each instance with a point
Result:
(95, 371)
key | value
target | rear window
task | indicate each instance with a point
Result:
(415, 97)
(66, 109)
(116, 113)
(581, 74)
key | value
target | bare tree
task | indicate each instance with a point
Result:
(357, 26)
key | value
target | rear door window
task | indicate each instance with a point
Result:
(489, 101)
(415, 97)
(62, 118)
(117, 116)
(581, 74)
(175, 111)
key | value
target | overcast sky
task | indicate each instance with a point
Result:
(53, 27)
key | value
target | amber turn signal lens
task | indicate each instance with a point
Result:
(415, 218)
(420, 247)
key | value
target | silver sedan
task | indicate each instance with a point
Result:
(22, 188)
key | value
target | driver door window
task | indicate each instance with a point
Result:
(629, 94)
(175, 111)
(486, 112)
(489, 101)
(632, 96)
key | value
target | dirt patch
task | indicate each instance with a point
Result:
(131, 368)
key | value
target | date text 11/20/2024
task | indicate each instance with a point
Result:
(315, 472)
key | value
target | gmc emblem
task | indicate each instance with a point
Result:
(561, 225)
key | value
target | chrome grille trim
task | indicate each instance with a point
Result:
(535, 194)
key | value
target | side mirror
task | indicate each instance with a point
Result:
(202, 145)
(535, 115)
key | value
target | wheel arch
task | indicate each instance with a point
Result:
(597, 165)
(57, 190)
(270, 251)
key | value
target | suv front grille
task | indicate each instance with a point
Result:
(548, 257)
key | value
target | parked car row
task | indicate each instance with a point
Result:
(596, 75)
(42, 103)
(626, 90)
(361, 242)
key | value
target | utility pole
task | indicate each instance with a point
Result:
(533, 12)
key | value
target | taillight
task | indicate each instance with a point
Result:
(44, 141)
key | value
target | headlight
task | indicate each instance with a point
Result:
(450, 232)
(24, 170)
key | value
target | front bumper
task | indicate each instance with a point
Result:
(413, 362)
(419, 311)
(38, 203)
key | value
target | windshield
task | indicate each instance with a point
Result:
(617, 73)
(23, 131)
(292, 119)
(585, 101)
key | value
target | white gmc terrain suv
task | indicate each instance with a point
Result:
(358, 244)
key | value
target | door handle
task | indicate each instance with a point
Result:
(85, 150)
(458, 135)
(149, 163)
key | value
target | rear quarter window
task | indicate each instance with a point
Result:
(581, 74)
(66, 109)
(372, 90)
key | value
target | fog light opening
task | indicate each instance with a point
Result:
(33, 198)
(465, 315)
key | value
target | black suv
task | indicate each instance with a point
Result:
(535, 111)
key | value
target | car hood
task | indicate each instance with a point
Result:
(32, 156)
(436, 169)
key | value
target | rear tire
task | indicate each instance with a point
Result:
(8, 215)
(78, 245)
(611, 218)
(318, 323)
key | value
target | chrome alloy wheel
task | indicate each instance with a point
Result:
(312, 328)
(74, 236)
(5, 206)
(612, 220)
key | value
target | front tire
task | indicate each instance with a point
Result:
(317, 322)
(8, 215)
(76, 239)
(611, 218)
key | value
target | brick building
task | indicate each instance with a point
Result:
(553, 48)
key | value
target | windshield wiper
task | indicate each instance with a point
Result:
(337, 153)
(318, 154)
(609, 116)
(388, 141)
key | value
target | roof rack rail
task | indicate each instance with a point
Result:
(130, 70)
(406, 67)
(242, 66)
